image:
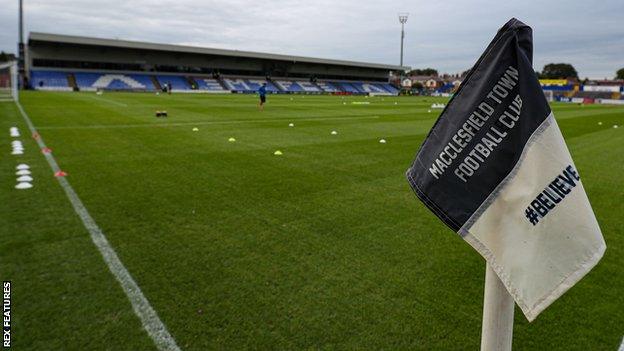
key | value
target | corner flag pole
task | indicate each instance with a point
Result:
(498, 313)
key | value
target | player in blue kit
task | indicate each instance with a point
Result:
(262, 93)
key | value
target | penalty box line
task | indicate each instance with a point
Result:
(142, 308)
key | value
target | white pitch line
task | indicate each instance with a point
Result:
(142, 308)
(621, 345)
(110, 101)
(179, 124)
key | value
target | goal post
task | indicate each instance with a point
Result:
(8, 81)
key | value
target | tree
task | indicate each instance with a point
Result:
(619, 74)
(559, 71)
(4, 56)
(423, 72)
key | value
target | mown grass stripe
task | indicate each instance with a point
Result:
(181, 124)
(149, 319)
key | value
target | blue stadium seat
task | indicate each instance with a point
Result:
(84, 81)
(113, 81)
(209, 84)
(308, 86)
(248, 85)
(49, 80)
(290, 86)
(376, 88)
(328, 87)
(391, 89)
(255, 84)
(144, 79)
(348, 87)
(177, 82)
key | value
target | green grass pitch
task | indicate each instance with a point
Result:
(322, 248)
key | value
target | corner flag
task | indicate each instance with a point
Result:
(496, 170)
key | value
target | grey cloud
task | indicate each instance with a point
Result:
(448, 35)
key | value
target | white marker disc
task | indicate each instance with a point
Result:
(25, 178)
(23, 185)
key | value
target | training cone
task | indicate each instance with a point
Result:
(291, 124)
(599, 123)
(22, 166)
(334, 132)
(23, 185)
(195, 129)
(24, 178)
(382, 141)
(615, 126)
(231, 140)
(22, 172)
(60, 174)
(278, 153)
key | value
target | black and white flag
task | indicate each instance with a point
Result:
(495, 168)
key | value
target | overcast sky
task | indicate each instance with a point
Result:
(446, 35)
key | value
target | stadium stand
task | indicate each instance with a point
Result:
(114, 64)
(391, 89)
(85, 80)
(327, 86)
(347, 87)
(178, 83)
(248, 85)
(50, 80)
(88, 81)
(209, 84)
(91, 81)
(144, 80)
(289, 86)
(295, 86)
(370, 88)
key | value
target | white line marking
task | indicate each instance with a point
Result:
(178, 124)
(142, 308)
(621, 345)
(110, 101)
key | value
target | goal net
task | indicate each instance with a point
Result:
(8, 81)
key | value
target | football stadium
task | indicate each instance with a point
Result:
(166, 196)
